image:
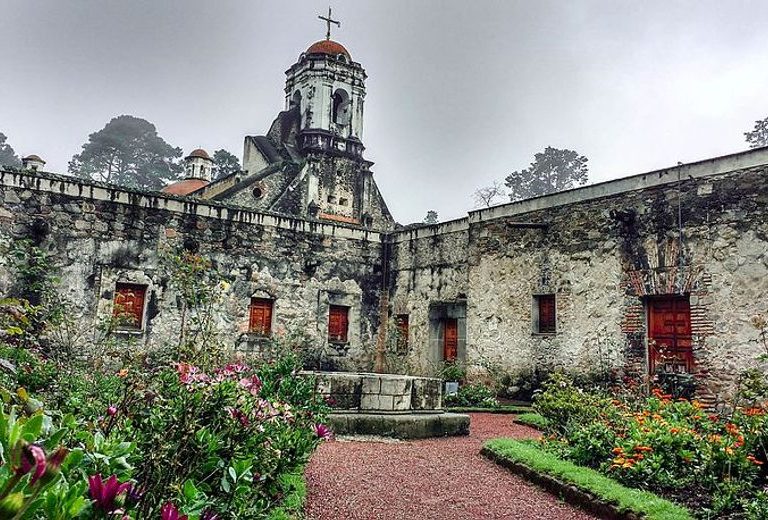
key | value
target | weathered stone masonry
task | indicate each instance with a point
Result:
(603, 251)
(100, 235)
(700, 230)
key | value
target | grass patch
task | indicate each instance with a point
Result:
(625, 499)
(295, 488)
(532, 419)
(512, 408)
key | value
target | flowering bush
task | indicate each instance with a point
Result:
(473, 395)
(671, 447)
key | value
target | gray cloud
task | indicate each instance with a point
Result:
(459, 93)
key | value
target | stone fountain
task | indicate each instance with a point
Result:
(405, 407)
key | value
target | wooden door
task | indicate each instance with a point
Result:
(450, 339)
(261, 316)
(669, 334)
(128, 309)
(338, 323)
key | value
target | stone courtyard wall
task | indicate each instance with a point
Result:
(603, 250)
(99, 235)
(699, 230)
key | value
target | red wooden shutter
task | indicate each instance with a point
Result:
(338, 323)
(547, 320)
(128, 308)
(451, 339)
(669, 334)
(261, 316)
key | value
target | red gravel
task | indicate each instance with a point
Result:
(431, 479)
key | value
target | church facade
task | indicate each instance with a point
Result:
(658, 271)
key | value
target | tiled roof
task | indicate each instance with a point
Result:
(328, 47)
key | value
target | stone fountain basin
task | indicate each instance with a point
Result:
(391, 405)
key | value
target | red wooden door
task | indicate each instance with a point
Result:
(338, 323)
(451, 339)
(261, 316)
(669, 334)
(128, 308)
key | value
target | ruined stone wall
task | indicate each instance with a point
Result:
(603, 251)
(100, 235)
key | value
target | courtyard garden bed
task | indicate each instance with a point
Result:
(713, 463)
(581, 486)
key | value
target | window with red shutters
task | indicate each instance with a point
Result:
(401, 322)
(128, 308)
(547, 314)
(261, 316)
(338, 323)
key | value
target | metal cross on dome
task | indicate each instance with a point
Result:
(329, 20)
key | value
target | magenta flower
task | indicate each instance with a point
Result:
(53, 464)
(323, 432)
(252, 384)
(238, 414)
(169, 512)
(105, 493)
(32, 460)
(112, 411)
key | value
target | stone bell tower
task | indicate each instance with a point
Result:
(326, 89)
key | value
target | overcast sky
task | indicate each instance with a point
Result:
(459, 92)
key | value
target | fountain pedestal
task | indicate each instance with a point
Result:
(405, 407)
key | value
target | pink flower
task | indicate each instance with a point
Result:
(104, 493)
(189, 374)
(252, 384)
(169, 512)
(32, 460)
(112, 411)
(323, 432)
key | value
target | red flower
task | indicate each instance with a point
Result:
(32, 460)
(104, 493)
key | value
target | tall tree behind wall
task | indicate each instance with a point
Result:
(758, 137)
(128, 152)
(8, 156)
(551, 171)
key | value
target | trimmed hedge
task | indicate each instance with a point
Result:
(533, 420)
(526, 458)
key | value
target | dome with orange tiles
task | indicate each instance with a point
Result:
(328, 47)
(199, 152)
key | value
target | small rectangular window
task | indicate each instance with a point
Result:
(545, 314)
(338, 323)
(128, 308)
(343, 201)
(261, 316)
(401, 322)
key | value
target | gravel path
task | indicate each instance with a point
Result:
(429, 479)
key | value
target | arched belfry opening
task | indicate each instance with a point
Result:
(296, 99)
(341, 107)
